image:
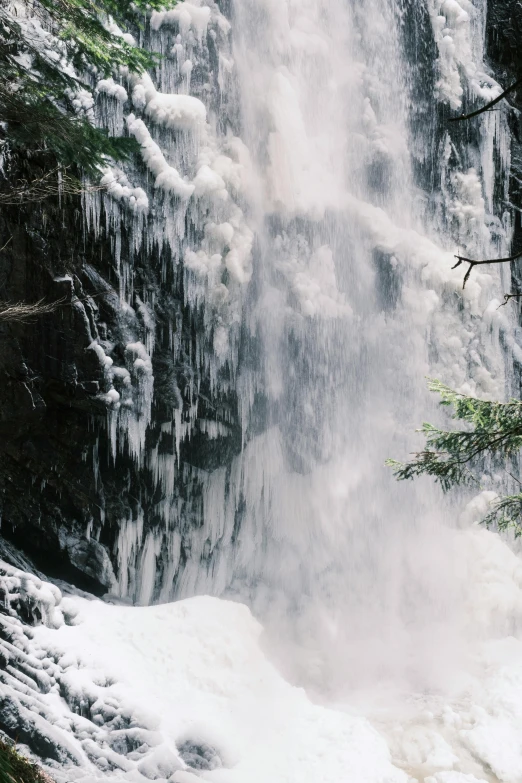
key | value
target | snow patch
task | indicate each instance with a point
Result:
(187, 16)
(206, 684)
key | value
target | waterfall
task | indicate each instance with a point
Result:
(281, 282)
(352, 303)
(308, 197)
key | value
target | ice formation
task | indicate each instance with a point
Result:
(296, 190)
(459, 37)
(275, 189)
(204, 685)
(200, 179)
(183, 690)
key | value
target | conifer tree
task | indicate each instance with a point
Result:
(490, 435)
(51, 50)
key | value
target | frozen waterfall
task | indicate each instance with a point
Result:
(300, 184)
(311, 198)
(318, 258)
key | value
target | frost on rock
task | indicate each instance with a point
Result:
(120, 189)
(178, 221)
(168, 693)
(27, 596)
(177, 112)
(457, 33)
(167, 177)
(187, 15)
(113, 89)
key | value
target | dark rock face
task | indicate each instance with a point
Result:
(48, 392)
(64, 491)
(503, 35)
(62, 494)
(503, 32)
(69, 473)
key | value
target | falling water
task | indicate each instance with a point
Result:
(324, 196)
(282, 252)
(352, 303)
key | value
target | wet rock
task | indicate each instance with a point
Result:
(93, 559)
(199, 755)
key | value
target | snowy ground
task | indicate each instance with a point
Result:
(191, 676)
(184, 691)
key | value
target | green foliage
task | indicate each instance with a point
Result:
(37, 124)
(452, 457)
(16, 769)
(40, 77)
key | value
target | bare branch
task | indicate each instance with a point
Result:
(22, 312)
(507, 297)
(514, 477)
(5, 244)
(472, 263)
(53, 183)
(489, 105)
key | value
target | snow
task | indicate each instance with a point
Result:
(459, 51)
(204, 678)
(113, 28)
(105, 361)
(179, 112)
(120, 189)
(452, 777)
(111, 88)
(167, 177)
(41, 597)
(187, 15)
(138, 693)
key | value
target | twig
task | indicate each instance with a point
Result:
(472, 263)
(488, 105)
(22, 312)
(514, 477)
(507, 297)
(39, 189)
(5, 244)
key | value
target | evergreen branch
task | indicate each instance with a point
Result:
(38, 84)
(506, 514)
(37, 123)
(450, 457)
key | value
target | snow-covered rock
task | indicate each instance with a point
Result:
(168, 692)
